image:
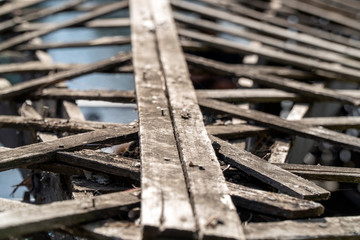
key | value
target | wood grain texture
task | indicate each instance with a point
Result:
(29, 220)
(206, 183)
(290, 127)
(270, 174)
(318, 228)
(162, 179)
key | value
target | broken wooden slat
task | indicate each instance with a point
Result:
(324, 173)
(282, 125)
(280, 148)
(102, 162)
(29, 220)
(206, 183)
(104, 41)
(317, 228)
(97, 23)
(282, 45)
(70, 94)
(275, 204)
(162, 179)
(28, 86)
(109, 8)
(237, 131)
(53, 124)
(5, 25)
(267, 28)
(41, 152)
(10, 7)
(280, 179)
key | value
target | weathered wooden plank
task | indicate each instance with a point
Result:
(109, 229)
(162, 179)
(272, 54)
(28, 86)
(262, 95)
(322, 55)
(206, 183)
(280, 148)
(109, 8)
(102, 162)
(7, 204)
(53, 124)
(324, 173)
(278, 82)
(10, 7)
(70, 94)
(316, 11)
(103, 41)
(310, 30)
(8, 24)
(270, 174)
(268, 28)
(97, 23)
(282, 125)
(29, 220)
(41, 152)
(237, 131)
(275, 204)
(318, 228)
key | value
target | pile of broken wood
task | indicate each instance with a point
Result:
(199, 164)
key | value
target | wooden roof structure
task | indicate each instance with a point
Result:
(216, 161)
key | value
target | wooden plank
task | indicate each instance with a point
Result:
(275, 204)
(274, 20)
(103, 41)
(8, 24)
(317, 228)
(71, 94)
(53, 124)
(205, 181)
(45, 151)
(29, 220)
(31, 85)
(299, 50)
(102, 162)
(237, 131)
(268, 173)
(324, 173)
(7, 204)
(271, 54)
(10, 7)
(267, 28)
(109, 8)
(162, 179)
(97, 23)
(282, 83)
(262, 95)
(316, 11)
(280, 148)
(290, 127)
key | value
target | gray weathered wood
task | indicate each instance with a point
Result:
(103, 41)
(102, 162)
(41, 152)
(206, 183)
(275, 204)
(10, 7)
(270, 174)
(31, 85)
(29, 220)
(291, 127)
(324, 173)
(162, 179)
(317, 228)
(109, 8)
